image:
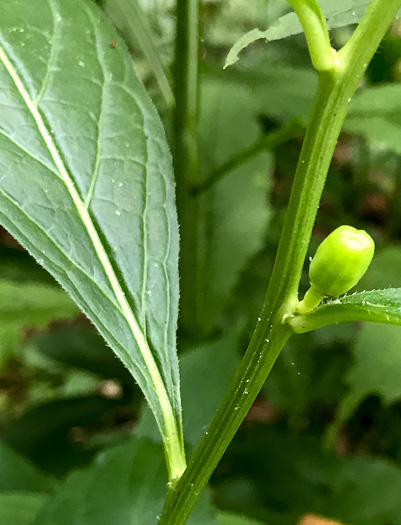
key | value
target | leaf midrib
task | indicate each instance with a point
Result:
(97, 244)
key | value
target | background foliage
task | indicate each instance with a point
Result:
(324, 436)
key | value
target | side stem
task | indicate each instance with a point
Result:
(317, 35)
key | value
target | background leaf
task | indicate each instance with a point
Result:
(232, 519)
(131, 19)
(83, 348)
(339, 14)
(290, 475)
(232, 229)
(18, 474)
(44, 433)
(125, 485)
(97, 209)
(366, 491)
(23, 488)
(376, 115)
(206, 372)
(376, 365)
(24, 305)
(20, 509)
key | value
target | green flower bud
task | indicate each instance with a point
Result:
(340, 262)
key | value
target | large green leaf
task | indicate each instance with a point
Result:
(132, 21)
(338, 14)
(86, 182)
(206, 372)
(124, 486)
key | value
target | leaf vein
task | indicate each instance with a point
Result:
(27, 152)
(96, 167)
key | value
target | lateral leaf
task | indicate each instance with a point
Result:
(86, 182)
(378, 306)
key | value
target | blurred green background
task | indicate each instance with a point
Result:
(324, 436)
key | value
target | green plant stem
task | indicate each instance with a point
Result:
(310, 301)
(185, 157)
(267, 142)
(335, 88)
(317, 35)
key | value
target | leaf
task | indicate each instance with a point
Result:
(33, 304)
(306, 376)
(375, 114)
(294, 475)
(376, 371)
(232, 519)
(379, 306)
(206, 372)
(43, 433)
(87, 183)
(28, 305)
(338, 14)
(20, 509)
(366, 491)
(279, 91)
(82, 347)
(376, 365)
(124, 486)
(19, 474)
(232, 229)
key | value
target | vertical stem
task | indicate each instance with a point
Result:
(185, 154)
(336, 88)
(271, 332)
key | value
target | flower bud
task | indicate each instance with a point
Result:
(340, 262)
